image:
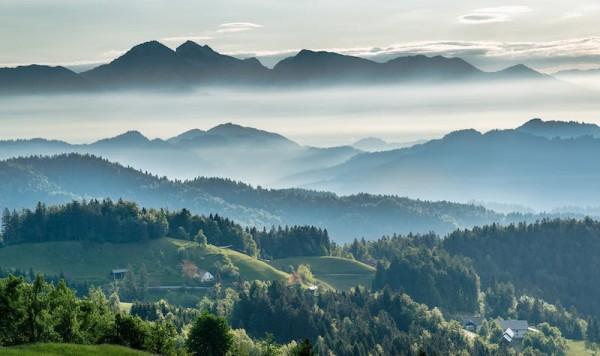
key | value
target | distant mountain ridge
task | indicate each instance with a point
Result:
(62, 178)
(374, 144)
(560, 129)
(152, 65)
(227, 150)
(544, 165)
(40, 78)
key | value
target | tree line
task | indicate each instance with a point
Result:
(122, 221)
(554, 260)
(41, 312)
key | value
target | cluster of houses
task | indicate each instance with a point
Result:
(512, 329)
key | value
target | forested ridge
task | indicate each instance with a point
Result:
(122, 221)
(63, 178)
(556, 260)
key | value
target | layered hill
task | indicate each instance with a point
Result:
(63, 178)
(228, 150)
(40, 79)
(540, 164)
(559, 129)
(152, 65)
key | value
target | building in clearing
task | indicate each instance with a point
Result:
(507, 336)
(472, 323)
(207, 277)
(119, 273)
(518, 327)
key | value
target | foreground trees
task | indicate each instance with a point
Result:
(209, 336)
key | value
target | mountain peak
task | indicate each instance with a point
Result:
(193, 46)
(521, 71)
(232, 130)
(463, 134)
(149, 48)
(559, 129)
(188, 135)
(128, 138)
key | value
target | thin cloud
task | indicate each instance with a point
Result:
(493, 14)
(232, 27)
(545, 53)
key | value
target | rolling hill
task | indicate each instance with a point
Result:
(40, 79)
(245, 153)
(559, 129)
(163, 258)
(60, 179)
(521, 166)
(340, 273)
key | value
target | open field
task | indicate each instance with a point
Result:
(93, 262)
(340, 273)
(69, 350)
(577, 348)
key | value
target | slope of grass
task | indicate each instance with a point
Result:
(92, 262)
(69, 350)
(340, 273)
(577, 348)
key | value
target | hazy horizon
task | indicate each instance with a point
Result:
(328, 116)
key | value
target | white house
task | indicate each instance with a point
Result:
(207, 277)
(518, 327)
(507, 336)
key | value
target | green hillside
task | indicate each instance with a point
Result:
(69, 350)
(340, 273)
(163, 258)
(578, 348)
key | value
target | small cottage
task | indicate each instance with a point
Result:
(519, 328)
(119, 273)
(207, 277)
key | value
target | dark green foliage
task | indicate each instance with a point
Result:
(162, 310)
(292, 241)
(388, 247)
(80, 289)
(218, 230)
(40, 312)
(593, 330)
(302, 349)
(536, 311)
(161, 339)
(99, 221)
(547, 342)
(500, 300)
(130, 331)
(555, 260)
(347, 323)
(433, 277)
(209, 336)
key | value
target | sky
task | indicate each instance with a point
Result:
(548, 35)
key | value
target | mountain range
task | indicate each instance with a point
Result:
(541, 164)
(227, 150)
(524, 166)
(153, 65)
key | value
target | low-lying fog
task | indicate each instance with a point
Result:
(320, 117)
